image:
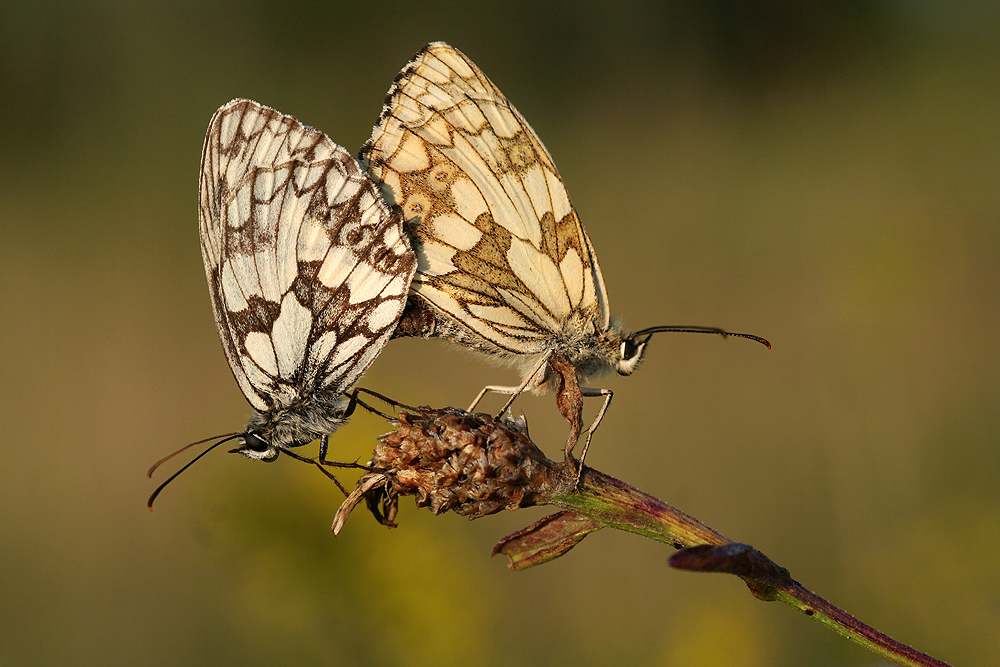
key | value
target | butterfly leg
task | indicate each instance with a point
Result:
(608, 395)
(351, 404)
(495, 388)
(354, 401)
(324, 441)
(514, 391)
(320, 462)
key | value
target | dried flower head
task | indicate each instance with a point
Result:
(471, 464)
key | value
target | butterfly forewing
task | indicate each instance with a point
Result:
(500, 248)
(307, 267)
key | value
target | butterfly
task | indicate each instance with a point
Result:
(308, 271)
(504, 265)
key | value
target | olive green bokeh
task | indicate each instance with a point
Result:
(825, 176)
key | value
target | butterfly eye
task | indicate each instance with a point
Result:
(255, 443)
(631, 353)
(254, 447)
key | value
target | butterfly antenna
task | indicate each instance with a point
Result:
(225, 438)
(704, 330)
(152, 469)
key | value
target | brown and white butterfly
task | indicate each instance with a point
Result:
(503, 264)
(308, 270)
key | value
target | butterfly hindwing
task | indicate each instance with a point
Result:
(500, 248)
(307, 267)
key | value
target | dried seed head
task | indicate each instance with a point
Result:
(471, 464)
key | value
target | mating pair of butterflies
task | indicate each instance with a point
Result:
(453, 222)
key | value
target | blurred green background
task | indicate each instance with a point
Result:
(822, 174)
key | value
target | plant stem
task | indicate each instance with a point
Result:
(619, 505)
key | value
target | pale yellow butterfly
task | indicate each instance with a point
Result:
(503, 264)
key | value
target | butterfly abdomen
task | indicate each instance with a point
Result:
(418, 320)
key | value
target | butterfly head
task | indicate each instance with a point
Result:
(633, 346)
(271, 432)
